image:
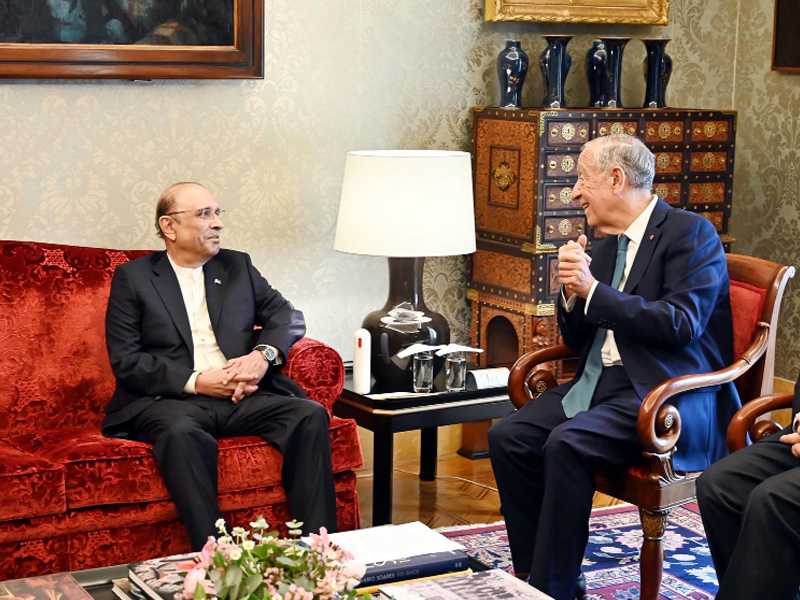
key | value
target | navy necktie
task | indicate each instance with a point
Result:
(580, 396)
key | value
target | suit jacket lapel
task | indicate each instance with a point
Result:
(648, 245)
(215, 277)
(166, 284)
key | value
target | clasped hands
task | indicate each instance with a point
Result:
(573, 268)
(236, 380)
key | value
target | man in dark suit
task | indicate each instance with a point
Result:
(750, 505)
(652, 302)
(180, 330)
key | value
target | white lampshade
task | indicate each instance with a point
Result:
(406, 203)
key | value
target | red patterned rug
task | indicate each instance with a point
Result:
(611, 563)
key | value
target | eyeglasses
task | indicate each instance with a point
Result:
(204, 213)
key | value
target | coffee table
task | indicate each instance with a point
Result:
(426, 412)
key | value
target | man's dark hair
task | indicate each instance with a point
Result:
(166, 203)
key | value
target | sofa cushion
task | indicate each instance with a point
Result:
(30, 486)
(54, 370)
(100, 471)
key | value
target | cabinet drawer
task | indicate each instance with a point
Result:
(563, 228)
(712, 192)
(559, 197)
(719, 217)
(669, 162)
(664, 131)
(670, 191)
(711, 161)
(561, 165)
(616, 127)
(710, 131)
(567, 133)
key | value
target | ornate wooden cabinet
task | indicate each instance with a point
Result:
(524, 164)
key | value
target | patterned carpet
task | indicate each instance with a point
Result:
(611, 563)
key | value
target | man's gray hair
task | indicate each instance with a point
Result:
(629, 154)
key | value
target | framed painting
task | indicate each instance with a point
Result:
(785, 42)
(630, 12)
(132, 39)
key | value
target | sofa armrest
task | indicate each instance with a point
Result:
(318, 369)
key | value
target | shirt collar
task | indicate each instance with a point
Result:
(186, 273)
(635, 231)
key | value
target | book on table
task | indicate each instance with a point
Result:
(401, 552)
(158, 578)
(482, 585)
(46, 587)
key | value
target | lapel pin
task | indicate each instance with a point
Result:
(652, 236)
(218, 282)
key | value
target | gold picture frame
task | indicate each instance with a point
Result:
(626, 12)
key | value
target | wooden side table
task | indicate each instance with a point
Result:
(427, 412)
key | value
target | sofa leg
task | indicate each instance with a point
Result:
(651, 560)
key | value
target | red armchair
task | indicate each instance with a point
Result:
(73, 499)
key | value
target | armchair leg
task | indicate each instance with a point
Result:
(651, 560)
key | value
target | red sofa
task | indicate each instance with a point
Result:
(73, 499)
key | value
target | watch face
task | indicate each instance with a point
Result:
(270, 354)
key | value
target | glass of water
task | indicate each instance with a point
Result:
(422, 371)
(456, 371)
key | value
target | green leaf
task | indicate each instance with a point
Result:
(282, 560)
(199, 592)
(251, 583)
(233, 577)
(223, 595)
(219, 560)
(216, 578)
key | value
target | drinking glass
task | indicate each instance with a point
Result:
(456, 371)
(422, 370)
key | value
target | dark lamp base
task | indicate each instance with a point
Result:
(390, 334)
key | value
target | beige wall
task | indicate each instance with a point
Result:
(82, 162)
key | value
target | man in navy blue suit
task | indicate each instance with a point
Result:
(651, 302)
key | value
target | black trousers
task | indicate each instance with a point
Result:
(750, 505)
(544, 465)
(184, 435)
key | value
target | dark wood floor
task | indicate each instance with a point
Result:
(463, 493)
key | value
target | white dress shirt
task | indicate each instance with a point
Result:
(635, 233)
(207, 354)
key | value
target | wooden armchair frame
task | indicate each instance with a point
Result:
(653, 485)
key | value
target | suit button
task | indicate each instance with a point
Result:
(158, 397)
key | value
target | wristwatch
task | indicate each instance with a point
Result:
(270, 353)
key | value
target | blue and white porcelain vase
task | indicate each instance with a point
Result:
(512, 66)
(555, 62)
(657, 71)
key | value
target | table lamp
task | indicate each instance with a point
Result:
(405, 205)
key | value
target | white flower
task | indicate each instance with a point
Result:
(248, 545)
(225, 540)
(261, 523)
(236, 554)
(295, 532)
(238, 531)
(220, 525)
(294, 524)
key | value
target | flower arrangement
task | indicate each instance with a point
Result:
(237, 566)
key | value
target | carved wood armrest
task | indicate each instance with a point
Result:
(744, 421)
(524, 377)
(659, 424)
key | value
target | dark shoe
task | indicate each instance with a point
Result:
(580, 587)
